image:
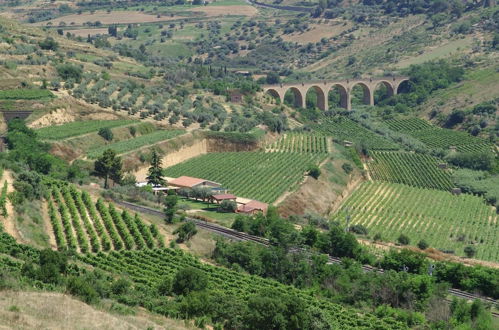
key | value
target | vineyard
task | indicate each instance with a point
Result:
(25, 94)
(79, 128)
(135, 143)
(408, 125)
(439, 138)
(343, 128)
(80, 225)
(445, 221)
(260, 175)
(150, 267)
(413, 169)
(302, 143)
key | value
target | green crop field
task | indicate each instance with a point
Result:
(149, 268)
(79, 224)
(305, 143)
(439, 138)
(444, 138)
(343, 128)
(409, 168)
(445, 221)
(260, 175)
(79, 128)
(408, 125)
(136, 143)
(25, 94)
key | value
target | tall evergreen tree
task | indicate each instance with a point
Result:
(155, 174)
(109, 166)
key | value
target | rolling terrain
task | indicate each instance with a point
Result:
(105, 102)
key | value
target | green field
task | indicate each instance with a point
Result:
(408, 125)
(445, 221)
(303, 143)
(135, 143)
(25, 94)
(80, 225)
(439, 138)
(343, 128)
(413, 169)
(260, 175)
(79, 128)
(149, 268)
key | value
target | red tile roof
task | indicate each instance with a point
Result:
(253, 206)
(186, 181)
(221, 197)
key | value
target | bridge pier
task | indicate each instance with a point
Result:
(345, 88)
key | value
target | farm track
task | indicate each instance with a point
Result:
(233, 234)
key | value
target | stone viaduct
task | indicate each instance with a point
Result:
(345, 88)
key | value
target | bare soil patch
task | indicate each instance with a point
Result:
(9, 221)
(56, 117)
(316, 33)
(47, 310)
(226, 10)
(115, 17)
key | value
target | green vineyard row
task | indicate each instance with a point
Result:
(445, 221)
(413, 169)
(79, 224)
(260, 175)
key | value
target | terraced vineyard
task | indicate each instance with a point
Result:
(260, 175)
(81, 225)
(439, 138)
(445, 221)
(79, 128)
(343, 128)
(413, 169)
(150, 267)
(304, 143)
(135, 143)
(408, 125)
(444, 138)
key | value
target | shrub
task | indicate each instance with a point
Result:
(359, 229)
(79, 287)
(423, 245)
(49, 44)
(69, 71)
(347, 168)
(314, 171)
(470, 251)
(228, 206)
(106, 133)
(403, 239)
(189, 279)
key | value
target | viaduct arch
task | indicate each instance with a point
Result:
(345, 88)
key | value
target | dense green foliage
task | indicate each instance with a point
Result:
(445, 221)
(224, 288)
(260, 175)
(78, 128)
(425, 79)
(413, 169)
(25, 148)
